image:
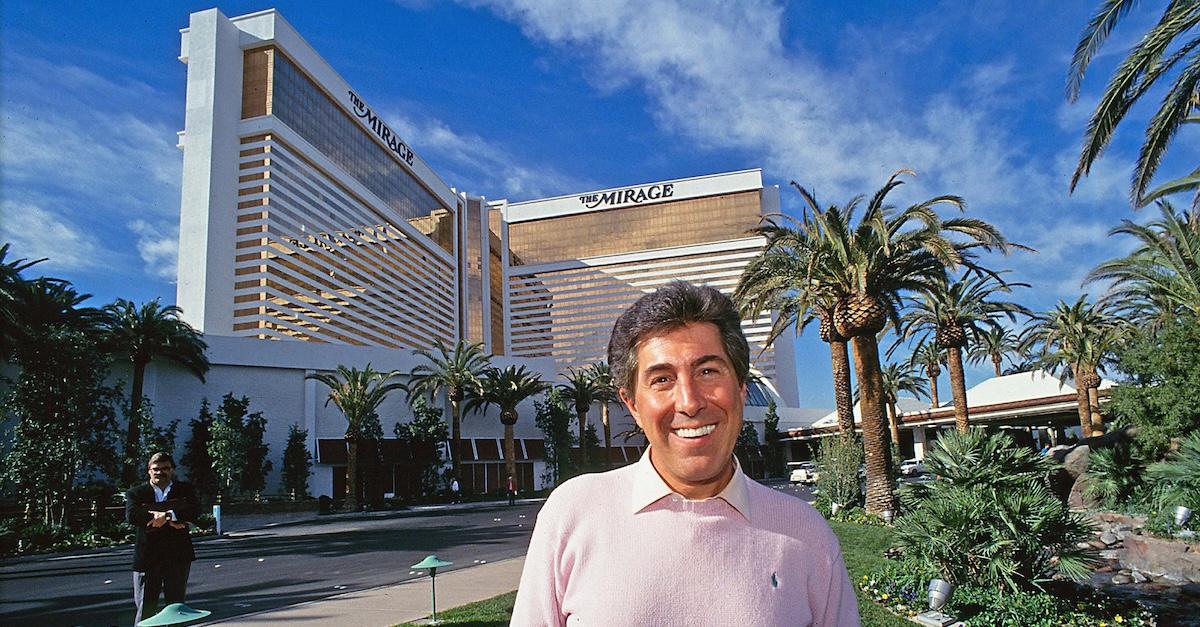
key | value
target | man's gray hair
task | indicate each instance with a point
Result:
(670, 307)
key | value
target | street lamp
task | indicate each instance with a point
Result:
(432, 563)
(174, 614)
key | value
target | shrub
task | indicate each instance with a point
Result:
(1113, 474)
(989, 518)
(1177, 478)
(837, 461)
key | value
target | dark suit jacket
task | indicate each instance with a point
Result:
(162, 545)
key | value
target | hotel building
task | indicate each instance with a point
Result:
(306, 219)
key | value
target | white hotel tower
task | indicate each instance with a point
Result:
(312, 234)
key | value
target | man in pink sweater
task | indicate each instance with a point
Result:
(682, 537)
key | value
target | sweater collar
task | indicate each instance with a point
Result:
(649, 487)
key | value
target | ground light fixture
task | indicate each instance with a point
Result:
(432, 563)
(174, 614)
(887, 515)
(1182, 516)
(939, 593)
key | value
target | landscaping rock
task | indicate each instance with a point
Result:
(1138, 577)
(1108, 538)
(1110, 554)
(1096, 544)
(1174, 559)
(1121, 579)
(1076, 499)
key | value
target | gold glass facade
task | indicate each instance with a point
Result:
(642, 227)
(273, 85)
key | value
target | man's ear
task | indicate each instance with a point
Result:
(630, 403)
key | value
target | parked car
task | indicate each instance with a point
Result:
(804, 473)
(912, 467)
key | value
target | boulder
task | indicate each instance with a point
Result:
(1076, 499)
(1108, 538)
(1173, 559)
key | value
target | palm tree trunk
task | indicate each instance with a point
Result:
(583, 453)
(510, 452)
(1081, 399)
(1097, 419)
(352, 478)
(996, 359)
(134, 434)
(839, 357)
(933, 391)
(958, 388)
(455, 438)
(894, 423)
(607, 434)
(880, 482)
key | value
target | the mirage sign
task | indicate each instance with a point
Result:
(383, 131)
(628, 196)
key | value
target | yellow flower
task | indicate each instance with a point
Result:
(1103, 624)
(1118, 619)
(884, 597)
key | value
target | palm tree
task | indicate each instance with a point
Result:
(506, 388)
(580, 389)
(869, 267)
(358, 394)
(994, 344)
(953, 312)
(897, 379)
(1078, 339)
(606, 392)
(141, 334)
(779, 280)
(10, 280)
(1155, 56)
(455, 372)
(1161, 278)
(930, 359)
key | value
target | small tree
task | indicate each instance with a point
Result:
(297, 463)
(226, 445)
(554, 419)
(775, 465)
(838, 460)
(747, 442)
(424, 436)
(196, 458)
(153, 438)
(256, 466)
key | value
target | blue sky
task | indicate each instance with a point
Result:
(531, 98)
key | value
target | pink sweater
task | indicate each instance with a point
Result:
(619, 548)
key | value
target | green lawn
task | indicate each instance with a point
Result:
(862, 547)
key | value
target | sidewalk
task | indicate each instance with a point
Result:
(399, 603)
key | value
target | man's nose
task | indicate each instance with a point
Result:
(689, 398)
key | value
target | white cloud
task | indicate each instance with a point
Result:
(36, 233)
(158, 247)
(471, 163)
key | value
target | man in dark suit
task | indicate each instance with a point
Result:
(162, 558)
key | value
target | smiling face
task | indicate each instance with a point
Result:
(687, 399)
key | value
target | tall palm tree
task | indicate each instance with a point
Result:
(505, 388)
(1161, 278)
(994, 344)
(1078, 340)
(580, 389)
(778, 280)
(455, 372)
(869, 266)
(954, 311)
(606, 392)
(1167, 49)
(358, 394)
(896, 379)
(141, 334)
(930, 359)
